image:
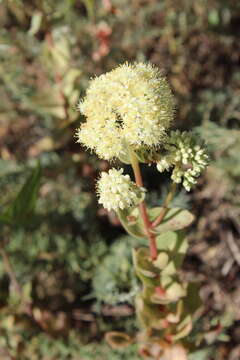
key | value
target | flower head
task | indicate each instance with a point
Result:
(117, 191)
(132, 104)
(185, 154)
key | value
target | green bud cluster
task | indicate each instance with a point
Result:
(186, 155)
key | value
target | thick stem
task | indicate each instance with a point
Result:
(166, 203)
(143, 209)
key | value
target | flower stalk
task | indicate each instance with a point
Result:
(165, 206)
(142, 207)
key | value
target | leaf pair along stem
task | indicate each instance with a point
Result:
(148, 225)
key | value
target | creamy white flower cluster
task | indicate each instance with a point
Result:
(132, 104)
(117, 191)
(186, 155)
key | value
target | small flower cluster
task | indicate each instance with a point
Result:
(186, 155)
(117, 191)
(132, 104)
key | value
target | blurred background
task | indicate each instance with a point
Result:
(65, 268)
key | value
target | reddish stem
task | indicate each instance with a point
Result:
(143, 209)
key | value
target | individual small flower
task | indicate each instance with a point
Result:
(132, 104)
(117, 191)
(164, 164)
(186, 155)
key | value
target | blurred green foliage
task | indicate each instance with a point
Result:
(72, 258)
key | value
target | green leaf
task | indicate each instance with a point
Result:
(184, 328)
(149, 315)
(174, 219)
(130, 221)
(176, 245)
(162, 260)
(169, 291)
(144, 267)
(24, 204)
(176, 291)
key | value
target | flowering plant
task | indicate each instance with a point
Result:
(129, 112)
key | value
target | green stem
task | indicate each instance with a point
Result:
(143, 209)
(165, 206)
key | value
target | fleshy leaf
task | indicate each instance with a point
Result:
(176, 245)
(176, 291)
(144, 267)
(175, 312)
(145, 270)
(174, 219)
(162, 260)
(184, 328)
(169, 294)
(150, 315)
(159, 296)
(130, 222)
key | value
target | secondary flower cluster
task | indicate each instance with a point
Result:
(117, 191)
(186, 156)
(132, 104)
